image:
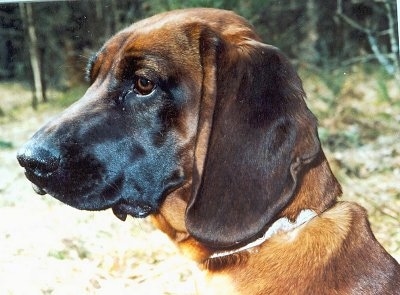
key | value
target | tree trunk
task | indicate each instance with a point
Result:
(27, 17)
(308, 45)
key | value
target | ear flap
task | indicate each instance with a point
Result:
(262, 135)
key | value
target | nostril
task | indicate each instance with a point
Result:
(40, 160)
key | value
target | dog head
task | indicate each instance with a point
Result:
(187, 101)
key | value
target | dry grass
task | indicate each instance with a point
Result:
(360, 135)
(49, 248)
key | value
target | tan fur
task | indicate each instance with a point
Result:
(290, 258)
(171, 220)
(307, 256)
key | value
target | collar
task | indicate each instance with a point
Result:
(281, 225)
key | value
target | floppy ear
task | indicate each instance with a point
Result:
(262, 136)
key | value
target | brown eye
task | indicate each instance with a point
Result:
(143, 86)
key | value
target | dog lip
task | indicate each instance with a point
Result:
(135, 209)
(38, 189)
(121, 215)
(38, 174)
(37, 182)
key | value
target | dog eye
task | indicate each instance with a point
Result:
(143, 86)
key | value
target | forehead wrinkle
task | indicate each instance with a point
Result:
(161, 36)
(92, 67)
(165, 56)
(131, 63)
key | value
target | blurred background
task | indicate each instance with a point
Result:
(346, 52)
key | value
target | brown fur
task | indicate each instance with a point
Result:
(323, 257)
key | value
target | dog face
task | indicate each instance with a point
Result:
(129, 140)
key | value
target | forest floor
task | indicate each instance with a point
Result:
(49, 248)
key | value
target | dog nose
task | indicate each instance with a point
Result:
(38, 159)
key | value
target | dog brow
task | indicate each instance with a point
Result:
(89, 67)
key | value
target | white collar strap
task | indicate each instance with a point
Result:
(281, 225)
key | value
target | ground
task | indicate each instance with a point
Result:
(50, 248)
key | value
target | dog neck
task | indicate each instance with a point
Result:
(282, 225)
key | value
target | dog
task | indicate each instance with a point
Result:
(191, 119)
